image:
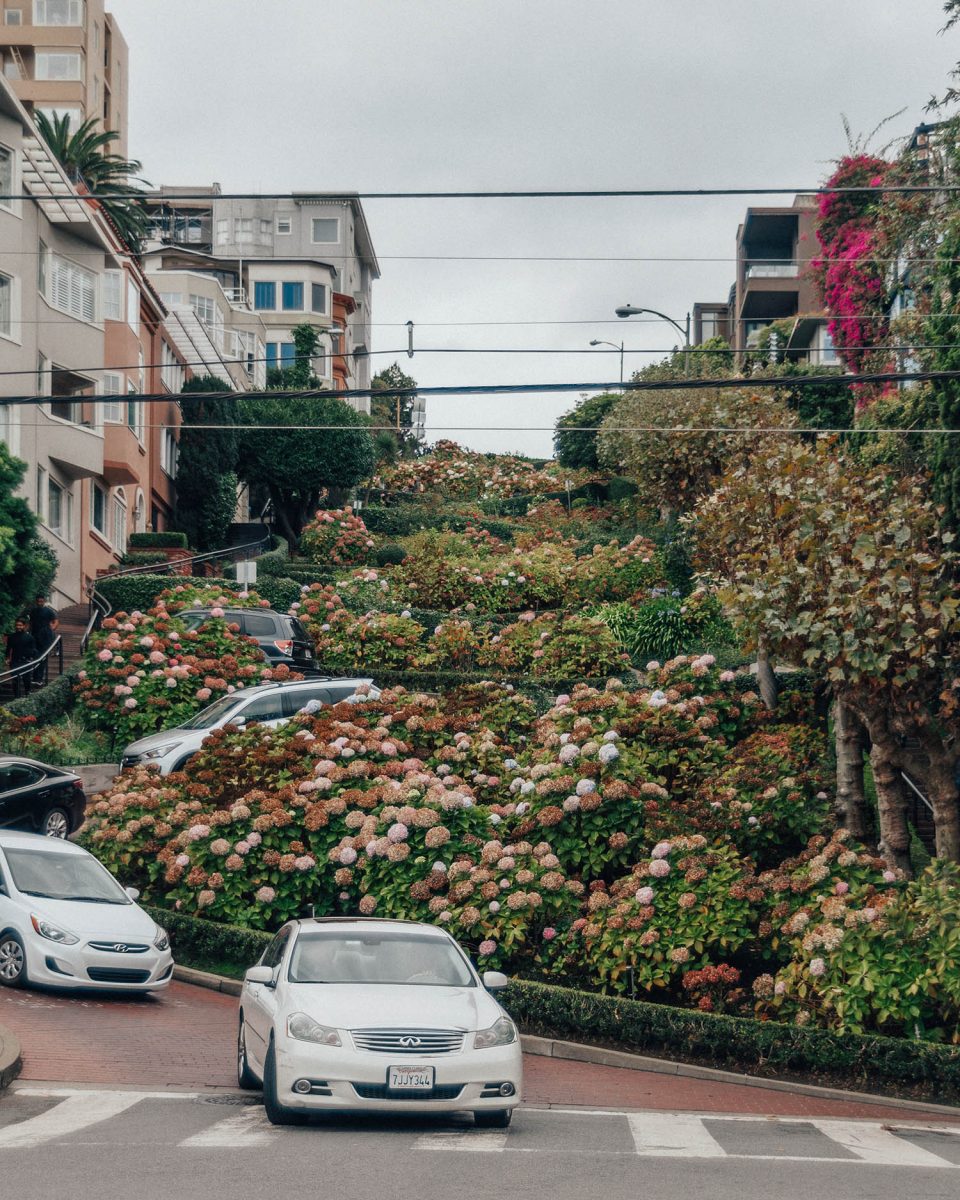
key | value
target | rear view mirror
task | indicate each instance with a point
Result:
(495, 981)
(132, 892)
(259, 975)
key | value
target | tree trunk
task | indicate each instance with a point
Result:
(891, 798)
(944, 795)
(766, 680)
(851, 742)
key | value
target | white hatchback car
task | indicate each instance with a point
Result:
(266, 704)
(384, 1016)
(66, 922)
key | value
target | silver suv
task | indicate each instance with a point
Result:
(267, 704)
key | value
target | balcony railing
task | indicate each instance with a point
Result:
(771, 269)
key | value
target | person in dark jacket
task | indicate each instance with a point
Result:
(21, 649)
(43, 627)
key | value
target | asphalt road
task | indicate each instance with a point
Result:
(113, 1144)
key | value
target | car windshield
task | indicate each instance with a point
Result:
(369, 958)
(207, 717)
(63, 877)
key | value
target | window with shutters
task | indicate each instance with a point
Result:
(71, 288)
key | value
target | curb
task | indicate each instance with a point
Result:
(206, 979)
(10, 1058)
(602, 1057)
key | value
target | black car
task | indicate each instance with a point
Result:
(40, 798)
(281, 637)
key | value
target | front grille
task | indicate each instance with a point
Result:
(380, 1091)
(119, 947)
(420, 1042)
(117, 975)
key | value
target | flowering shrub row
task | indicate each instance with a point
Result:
(650, 841)
(337, 536)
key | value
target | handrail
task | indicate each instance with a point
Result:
(101, 607)
(30, 668)
(907, 780)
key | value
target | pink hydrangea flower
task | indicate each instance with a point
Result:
(104, 655)
(659, 868)
(487, 947)
(644, 895)
(130, 703)
(265, 894)
(348, 856)
(398, 832)
(661, 850)
(817, 967)
(842, 888)
(549, 934)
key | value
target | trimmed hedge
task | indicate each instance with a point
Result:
(143, 558)
(541, 691)
(150, 541)
(130, 593)
(209, 941)
(48, 704)
(898, 1067)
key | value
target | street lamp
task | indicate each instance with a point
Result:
(630, 310)
(616, 347)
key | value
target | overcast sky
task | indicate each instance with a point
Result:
(383, 95)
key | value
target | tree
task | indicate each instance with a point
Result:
(673, 470)
(27, 565)
(295, 463)
(392, 404)
(848, 572)
(306, 341)
(207, 462)
(575, 434)
(84, 156)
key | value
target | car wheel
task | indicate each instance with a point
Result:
(277, 1113)
(493, 1118)
(13, 961)
(245, 1077)
(56, 823)
(182, 763)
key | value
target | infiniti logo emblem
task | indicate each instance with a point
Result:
(409, 1041)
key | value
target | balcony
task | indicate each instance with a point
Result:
(76, 449)
(773, 269)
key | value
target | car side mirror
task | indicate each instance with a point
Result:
(239, 722)
(132, 892)
(495, 981)
(259, 974)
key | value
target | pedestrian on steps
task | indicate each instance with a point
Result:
(43, 627)
(21, 649)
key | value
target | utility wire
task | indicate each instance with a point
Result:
(513, 389)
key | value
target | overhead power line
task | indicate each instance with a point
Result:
(517, 389)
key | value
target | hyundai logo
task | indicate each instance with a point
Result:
(120, 947)
(408, 1040)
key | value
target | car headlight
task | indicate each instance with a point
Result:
(161, 939)
(51, 932)
(159, 751)
(501, 1033)
(306, 1029)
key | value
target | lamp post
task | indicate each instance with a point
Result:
(595, 342)
(630, 310)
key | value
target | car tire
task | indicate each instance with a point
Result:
(493, 1118)
(56, 823)
(245, 1077)
(277, 1113)
(13, 961)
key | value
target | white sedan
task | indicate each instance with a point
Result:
(66, 922)
(383, 1016)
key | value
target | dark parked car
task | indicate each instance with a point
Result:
(40, 798)
(281, 638)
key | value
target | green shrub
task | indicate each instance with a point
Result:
(50, 703)
(621, 488)
(390, 555)
(148, 541)
(894, 1066)
(143, 558)
(667, 626)
(208, 941)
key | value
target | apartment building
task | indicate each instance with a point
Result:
(67, 58)
(774, 248)
(305, 259)
(81, 326)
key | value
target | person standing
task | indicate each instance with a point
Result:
(43, 627)
(21, 649)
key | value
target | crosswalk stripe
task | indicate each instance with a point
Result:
(672, 1135)
(70, 1115)
(875, 1144)
(490, 1141)
(249, 1127)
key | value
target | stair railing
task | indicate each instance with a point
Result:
(54, 652)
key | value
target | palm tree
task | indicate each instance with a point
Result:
(83, 154)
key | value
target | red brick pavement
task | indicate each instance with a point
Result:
(185, 1038)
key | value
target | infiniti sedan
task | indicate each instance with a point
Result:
(66, 922)
(385, 1016)
(46, 799)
